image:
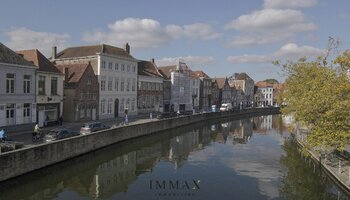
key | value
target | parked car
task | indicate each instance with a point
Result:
(60, 133)
(93, 127)
(226, 107)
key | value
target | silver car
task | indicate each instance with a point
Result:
(92, 127)
(60, 133)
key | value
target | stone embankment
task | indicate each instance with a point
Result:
(335, 166)
(28, 159)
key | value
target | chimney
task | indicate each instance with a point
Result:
(54, 52)
(127, 48)
(66, 74)
(152, 60)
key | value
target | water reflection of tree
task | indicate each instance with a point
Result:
(263, 124)
(300, 181)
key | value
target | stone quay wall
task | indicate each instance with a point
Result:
(25, 160)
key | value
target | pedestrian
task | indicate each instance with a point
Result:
(60, 120)
(126, 119)
(2, 135)
(150, 115)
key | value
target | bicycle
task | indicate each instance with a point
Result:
(37, 136)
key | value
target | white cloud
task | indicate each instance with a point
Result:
(272, 20)
(24, 38)
(289, 4)
(145, 33)
(190, 60)
(293, 51)
(249, 59)
(200, 31)
(256, 39)
(289, 51)
(269, 26)
(140, 33)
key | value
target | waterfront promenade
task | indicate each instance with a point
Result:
(337, 167)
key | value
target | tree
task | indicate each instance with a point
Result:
(319, 96)
(271, 81)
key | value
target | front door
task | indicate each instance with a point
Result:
(94, 114)
(10, 114)
(41, 118)
(116, 108)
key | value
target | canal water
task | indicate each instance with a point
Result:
(252, 158)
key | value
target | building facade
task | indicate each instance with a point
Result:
(215, 93)
(17, 89)
(167, 95)
(149, 88)
(195, 91)
(181, 95)
(116, 71)
(205, 89)
(81, 90)
(243, 82)
(49, 88)
(225, 91)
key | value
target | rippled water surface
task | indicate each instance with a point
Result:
(252, 158)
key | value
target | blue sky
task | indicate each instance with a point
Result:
(219, 37)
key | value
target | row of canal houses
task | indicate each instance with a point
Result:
(101, 81)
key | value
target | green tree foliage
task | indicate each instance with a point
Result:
(271, 81)
(319, 96)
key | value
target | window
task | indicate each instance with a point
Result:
(133, 85)
(82, 111)
(127, 103)
(110, 65)
(10, 83)
(81, 96)
(26, 110)
(26, 84)
(122, 85)
(128, 68)
(41, 85)
(122, 105)
(123, 67)
(53, 85)
(103, 63)
(133, 104)
(116, 84)
(128, 85)
(116, 66)
(103, 84)
(103, 106)
(110, 83)
(109, 107)
(88, 112)
(134, 69)
(88, 81)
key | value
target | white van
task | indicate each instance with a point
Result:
(226, 107)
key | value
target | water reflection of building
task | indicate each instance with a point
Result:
(114, 175)
(181, 146)
(233, 132)
(263, 124)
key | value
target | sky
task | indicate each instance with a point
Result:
(219, 37)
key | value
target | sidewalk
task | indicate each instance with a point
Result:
(336, 166)
(25, 135)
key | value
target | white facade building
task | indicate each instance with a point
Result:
(181, 94)
(17, 89)
(116, 70)
(49, 88)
